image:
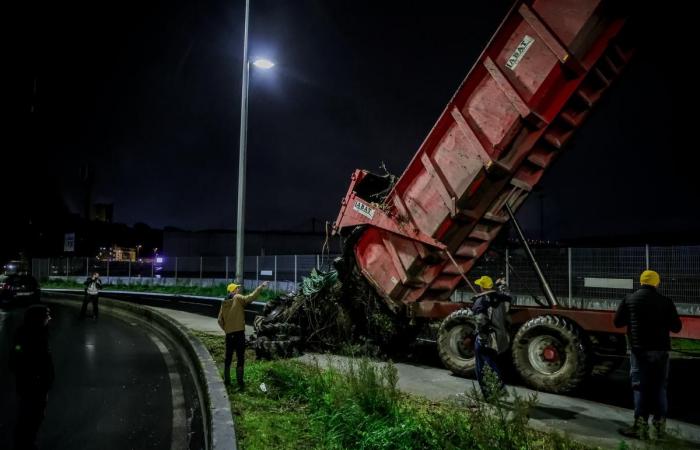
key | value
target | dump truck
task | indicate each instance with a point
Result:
(414, 238)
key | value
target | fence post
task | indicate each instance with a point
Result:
(318, 262)
(107, 271)
(226, 274)
(257, 271)
(507, 268)
(87, 267)
(129, 272)
(48, 268)
(66, 267)
(570, 277)
(153, 263)
(176, 270)
(295, 271)
(200, 270)
(275, 272)
(646, 254)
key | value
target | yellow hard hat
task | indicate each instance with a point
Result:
(232, 287)
(650, 278)
(485, 282)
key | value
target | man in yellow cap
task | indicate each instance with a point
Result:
(490, 308)
(649, 318)
(232, 321)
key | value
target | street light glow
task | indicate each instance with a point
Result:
(262, 63)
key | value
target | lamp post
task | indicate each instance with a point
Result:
(240, 217)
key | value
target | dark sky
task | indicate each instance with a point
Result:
(148, 93)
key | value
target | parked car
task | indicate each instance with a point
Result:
(19, 289)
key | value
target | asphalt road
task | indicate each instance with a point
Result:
(117, 386)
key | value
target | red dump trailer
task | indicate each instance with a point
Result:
(545, 68)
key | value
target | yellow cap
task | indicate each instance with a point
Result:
(485, 282)
(649, 277)
(232, 287)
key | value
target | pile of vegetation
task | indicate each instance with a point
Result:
(291, 405)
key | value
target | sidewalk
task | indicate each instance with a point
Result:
(586, 421)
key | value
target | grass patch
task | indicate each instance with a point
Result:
(309, 407)
(218, 290)
(686, 346)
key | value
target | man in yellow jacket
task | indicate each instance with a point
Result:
(232, 321)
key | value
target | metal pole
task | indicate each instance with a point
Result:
(240, 225)
(318, 262)
(87, 267)
(507, 267)
(107, 271)
(129, 271)
(176, 270)
(646, 255)
(67, 267)
(543, 281)
(226, 274)
(200, 269)
(570, 279)
(295, 271)
(257, 270)
(153, 276)
(275, 272)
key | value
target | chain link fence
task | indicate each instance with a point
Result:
(579, 277)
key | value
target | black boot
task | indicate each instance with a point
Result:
(239, 378)
(659, 428)
(639, 429)
(227, 376)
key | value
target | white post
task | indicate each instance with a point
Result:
(570, 278)
(646, 255)
(507, 268)
(318, 262)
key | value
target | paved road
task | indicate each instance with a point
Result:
(113, 388)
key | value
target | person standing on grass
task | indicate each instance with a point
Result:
(490, 308)
(92, 293)
(649, 318)
(232, 321)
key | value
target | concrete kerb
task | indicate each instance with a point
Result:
(219, 427)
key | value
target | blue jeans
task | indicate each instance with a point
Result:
(649, 376)
(485, 357)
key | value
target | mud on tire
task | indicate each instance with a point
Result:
(455, 342)
(552, 354)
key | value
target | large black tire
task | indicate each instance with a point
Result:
(456, 344)
(551, 354)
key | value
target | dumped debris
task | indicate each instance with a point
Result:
(330, 312)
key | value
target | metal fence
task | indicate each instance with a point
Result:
(579, 277)
(283, 272)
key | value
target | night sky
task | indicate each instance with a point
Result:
(148, 95)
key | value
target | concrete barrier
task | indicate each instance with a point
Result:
(219, 427)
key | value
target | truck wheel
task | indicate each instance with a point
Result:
(551, 354)
(456, 342)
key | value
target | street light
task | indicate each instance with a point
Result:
(240, 222)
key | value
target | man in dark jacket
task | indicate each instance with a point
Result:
(490, 310)
(30, 360)
(649, 318)
(92, 292)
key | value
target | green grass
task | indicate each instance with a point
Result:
(690, 346)
(207, 291)
(307, 407)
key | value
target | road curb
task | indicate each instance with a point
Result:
(219, 426)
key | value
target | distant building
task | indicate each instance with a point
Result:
(223, 243)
